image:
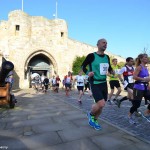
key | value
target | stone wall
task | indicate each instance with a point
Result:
(38, 35)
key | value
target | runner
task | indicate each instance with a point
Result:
(87, 85)
(45, 83)
(114, 81)
(57, 83)
(53, 82)
(42, 79)
(142, 78)
(68, 81)
(127, 81)
(99, 64)
(37, 80)
(80, 84)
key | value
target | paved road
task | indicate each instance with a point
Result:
(116, 116)
(53, 121)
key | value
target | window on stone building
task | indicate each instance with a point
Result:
(62, 34)
(17, 27)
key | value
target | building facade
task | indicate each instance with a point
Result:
(37, 44)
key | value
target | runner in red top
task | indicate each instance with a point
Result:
(57, 83)
(68, 81)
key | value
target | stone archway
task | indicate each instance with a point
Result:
(40, 62)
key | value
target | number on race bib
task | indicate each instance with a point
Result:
(104, 68)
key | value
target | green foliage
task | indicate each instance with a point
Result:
(121, 64)
(111, 57)
(76, 67)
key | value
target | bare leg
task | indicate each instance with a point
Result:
(118, 92)
(80, 94)
(110, 94)
(97, 108)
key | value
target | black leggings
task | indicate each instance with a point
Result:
(135, 105)
(137, 98)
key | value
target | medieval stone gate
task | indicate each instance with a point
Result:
(42, 63)
(38, 44)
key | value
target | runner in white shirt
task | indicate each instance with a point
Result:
(42, 79)
(127, 81)
(53, 81)
(80, 79)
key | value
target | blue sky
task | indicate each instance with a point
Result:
(125, 24)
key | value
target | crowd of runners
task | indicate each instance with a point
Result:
(135, 80)
(97, 70)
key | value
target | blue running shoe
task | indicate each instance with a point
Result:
(91, 120)
(97, 126)
(131, 121)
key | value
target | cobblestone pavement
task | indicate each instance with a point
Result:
(114, 115)
(111, 113)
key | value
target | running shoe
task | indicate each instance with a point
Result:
(79, 101)
(97, 126)
(91, 119)
(109, 102)
(131, 121)
(115, 101)
(138, 114)
(118, 103)
(67, 94)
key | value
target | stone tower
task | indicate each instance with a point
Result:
(37, 44)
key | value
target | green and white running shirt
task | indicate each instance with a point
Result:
(99, 64)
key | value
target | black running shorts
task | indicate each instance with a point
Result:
(130, 85)
(80, 88)
(99, 91)
(114, 83)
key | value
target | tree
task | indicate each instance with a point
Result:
(121, 64)
(76, 67)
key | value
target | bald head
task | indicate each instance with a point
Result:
(102, 44)
(100, 40)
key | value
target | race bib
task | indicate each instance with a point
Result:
(104, 68)
(130, 79)
(125, 84)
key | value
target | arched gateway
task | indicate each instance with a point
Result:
(40, 62)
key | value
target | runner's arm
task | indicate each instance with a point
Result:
(88, 60)
(121, 71)
(110, 70)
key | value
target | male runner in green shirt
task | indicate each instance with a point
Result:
(98, 66)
